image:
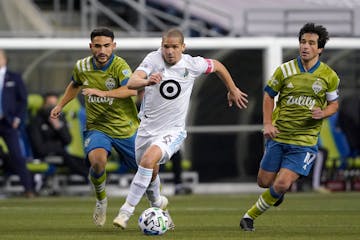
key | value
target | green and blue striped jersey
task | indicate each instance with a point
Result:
(299, 92)
(116, 117)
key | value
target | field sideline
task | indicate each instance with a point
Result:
(301, 216)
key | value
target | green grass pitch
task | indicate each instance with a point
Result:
(301, 216)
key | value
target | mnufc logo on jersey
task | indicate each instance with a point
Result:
(301, 101)
(96, 99)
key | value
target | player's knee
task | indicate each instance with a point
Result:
(98, 165)
(263, 183)
(147, 163)
(281, 186)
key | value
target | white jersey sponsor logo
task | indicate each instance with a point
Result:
(301, 101)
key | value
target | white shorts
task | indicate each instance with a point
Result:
(168, 141)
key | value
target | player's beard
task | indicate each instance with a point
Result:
(102, 59)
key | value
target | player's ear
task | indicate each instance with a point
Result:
(320, 50)
(114, 45)
(183, 47)
(90, 45)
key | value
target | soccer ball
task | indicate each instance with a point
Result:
(153, 221)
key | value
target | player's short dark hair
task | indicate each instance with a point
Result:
(319, 30)
(102, 31)
(173, 32)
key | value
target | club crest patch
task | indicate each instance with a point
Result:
(317, 86)
(110, 83)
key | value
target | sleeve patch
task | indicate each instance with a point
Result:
(210, 67)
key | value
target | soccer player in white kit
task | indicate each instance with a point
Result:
(168, 77)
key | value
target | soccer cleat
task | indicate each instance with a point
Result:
(247, 224)
(171, 224)
(164, 203)
(99, 215)
(163, 206)
(279, 201)
(122, 219)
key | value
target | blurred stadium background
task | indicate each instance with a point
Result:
(43, 39)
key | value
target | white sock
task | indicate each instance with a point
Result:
(153, 191)
(139, 185)
(127, 207)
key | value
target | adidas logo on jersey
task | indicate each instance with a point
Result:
(290, 85)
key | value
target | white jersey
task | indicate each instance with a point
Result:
(165, 105)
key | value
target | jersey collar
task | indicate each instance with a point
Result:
(106, 65)
(311, 70)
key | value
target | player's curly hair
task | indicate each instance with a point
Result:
(319, 30)
(102, 31)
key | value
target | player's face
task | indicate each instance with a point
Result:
(308, 48)
(102, 48)
(172, 48)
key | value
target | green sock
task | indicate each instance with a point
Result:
(265, 201)
(98, 183)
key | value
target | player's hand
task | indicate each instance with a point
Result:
(317, 113)
(55, 112)
(93, 91)
(270, 131)
(238, 97)
(154, 78)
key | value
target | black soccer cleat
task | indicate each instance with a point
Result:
(247, 224)
(279, 201)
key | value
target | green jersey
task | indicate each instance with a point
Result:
(299, 92)
(116, 117)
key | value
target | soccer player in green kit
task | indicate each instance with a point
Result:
(307, 92)
(111, 116)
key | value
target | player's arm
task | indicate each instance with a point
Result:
(70, 93)
(331, 108)
(235, 95)
(120, 92)
(269, 131)
(332, 96)
(140, 80)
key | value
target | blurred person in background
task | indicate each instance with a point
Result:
(13, 105)
(50, 137)
(111, 114)
(307, 91)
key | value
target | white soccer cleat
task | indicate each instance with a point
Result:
(163, 206)
(171, 224)
(164, 203)
(122, 219)
(99, 215)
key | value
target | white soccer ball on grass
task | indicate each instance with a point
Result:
(153, 221)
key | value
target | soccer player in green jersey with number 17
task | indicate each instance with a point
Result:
(307, 91)
(111, 116)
